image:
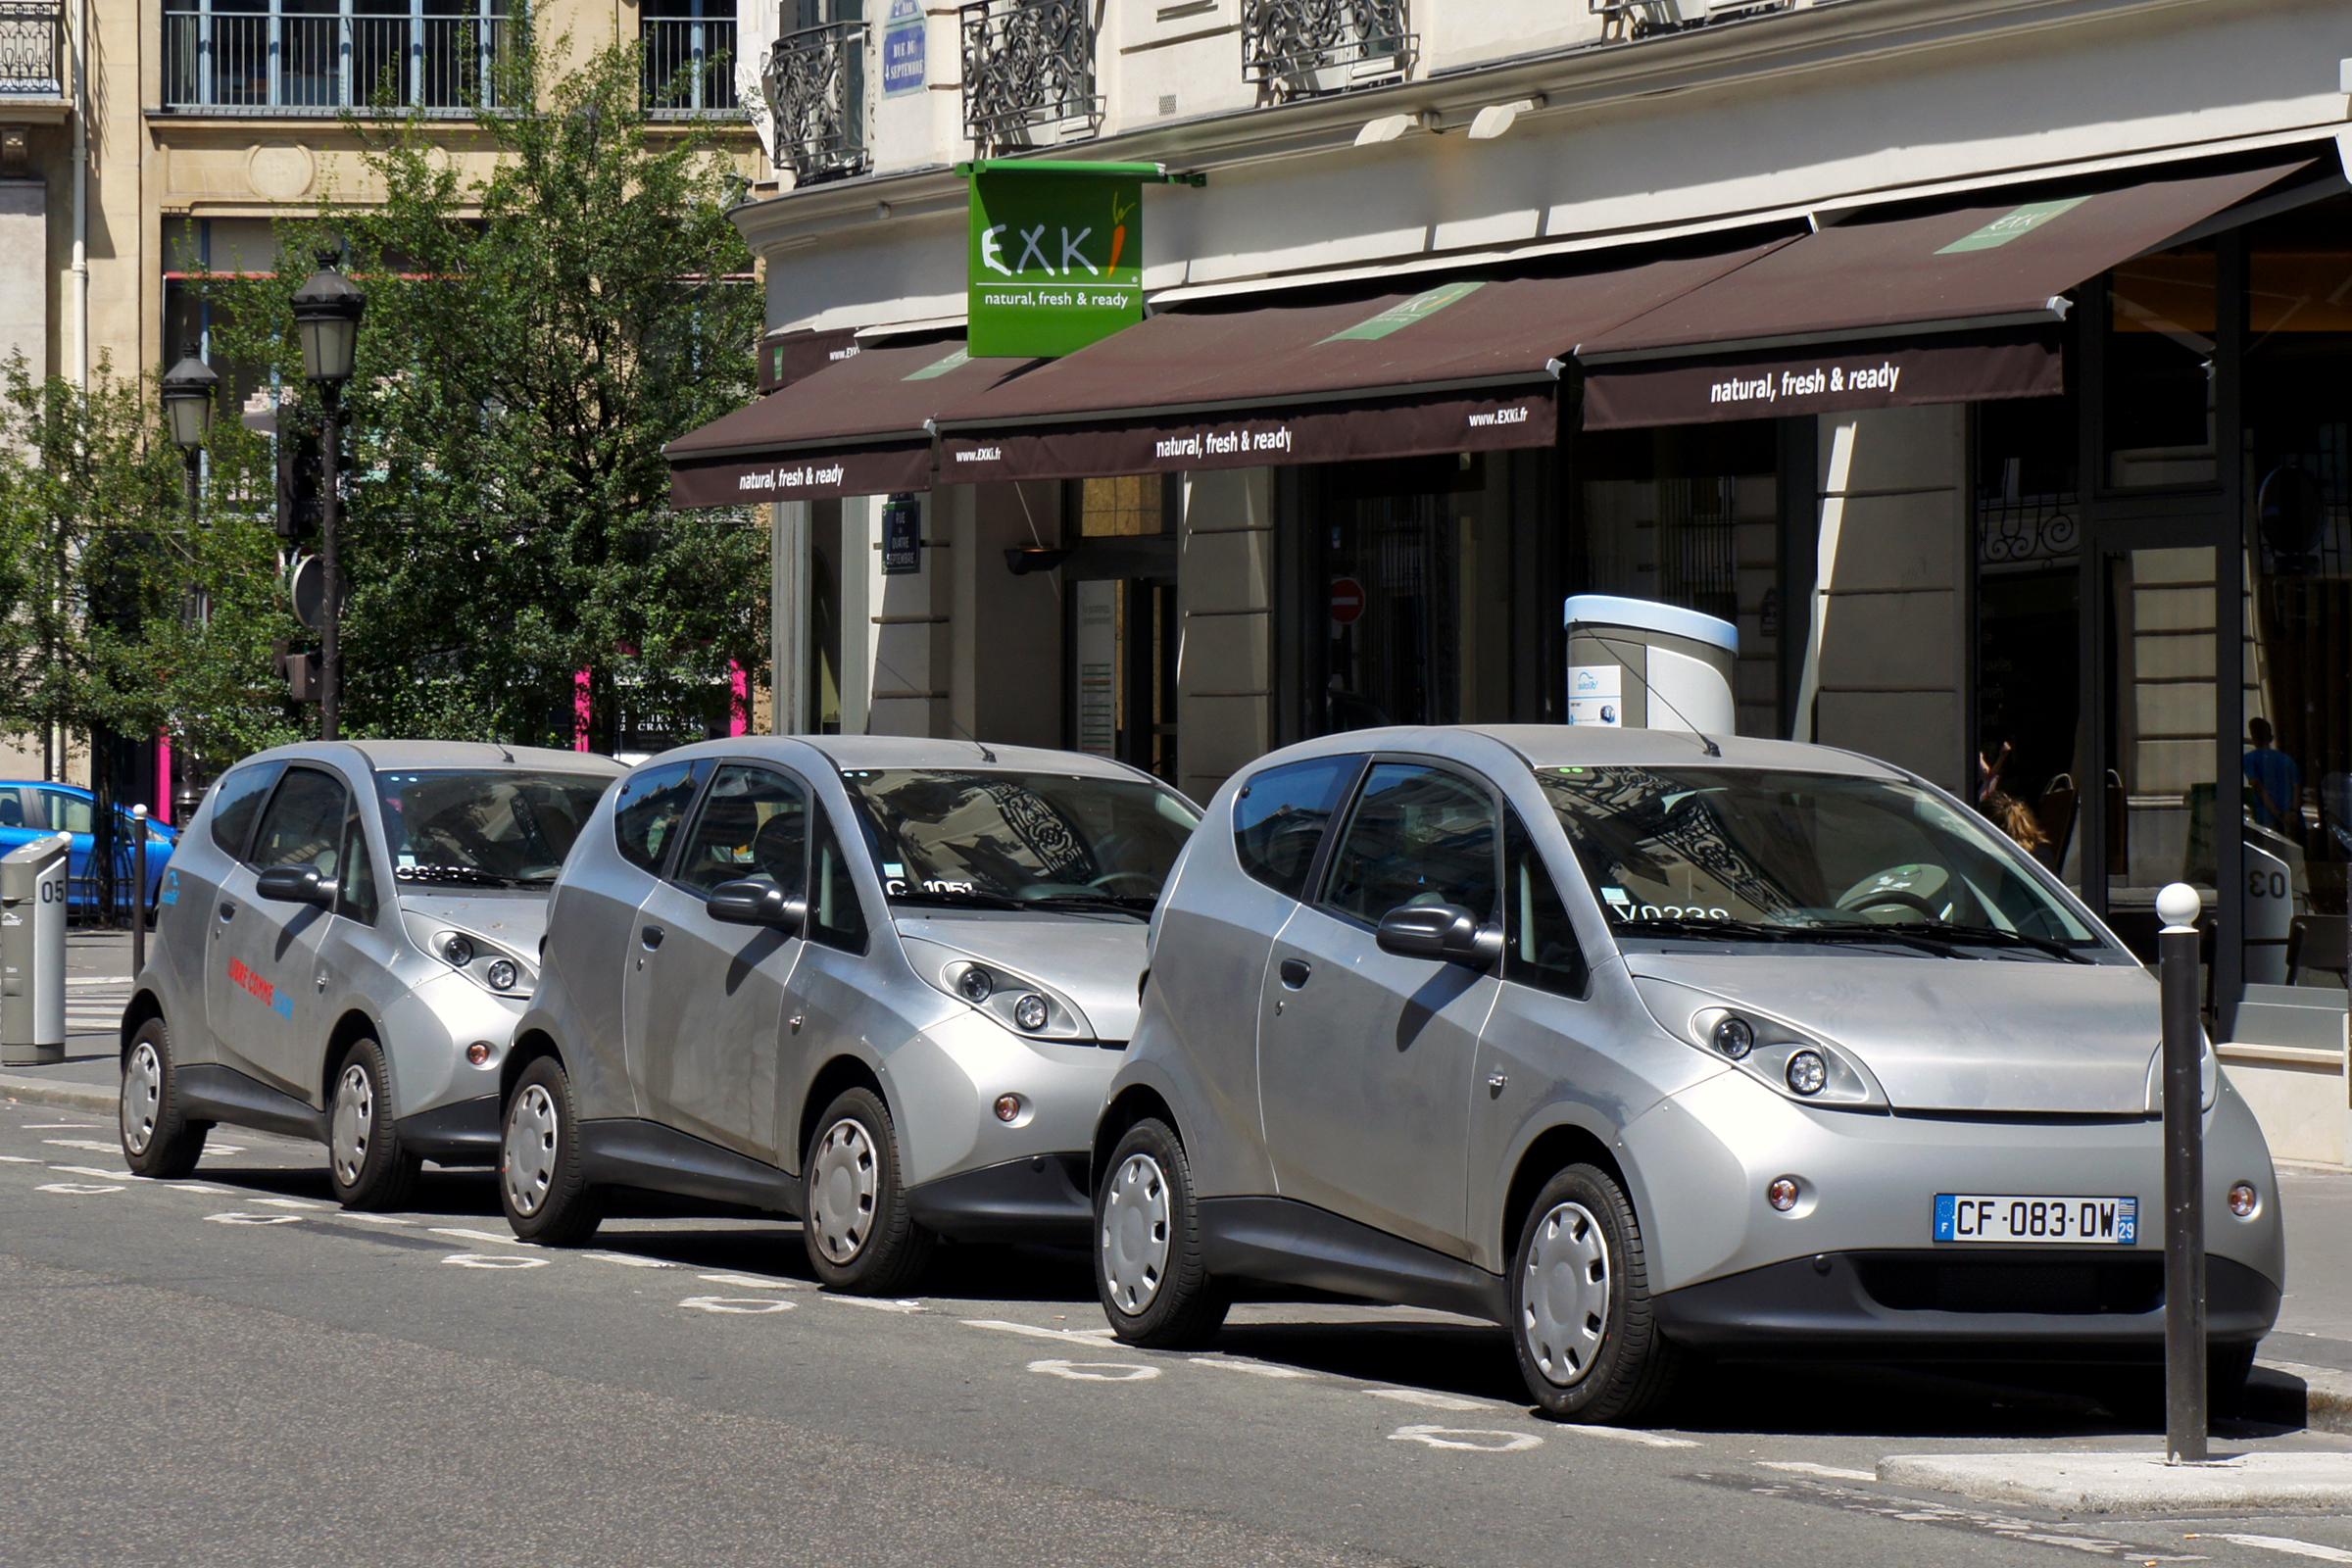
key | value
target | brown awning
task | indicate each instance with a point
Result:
(854, 429)
(1467, 366)
(789, 357)
(1886, 292)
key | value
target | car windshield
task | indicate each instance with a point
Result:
(1769, 857)
(952, 836)
(485, 829)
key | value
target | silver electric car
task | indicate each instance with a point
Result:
(1644, 1045)
(346, 936)
(879, 984)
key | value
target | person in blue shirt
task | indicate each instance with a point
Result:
(2273, 780)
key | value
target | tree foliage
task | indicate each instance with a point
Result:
(532, 340)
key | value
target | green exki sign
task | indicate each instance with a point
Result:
(1057, 254)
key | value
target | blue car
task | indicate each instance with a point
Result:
(30, 809)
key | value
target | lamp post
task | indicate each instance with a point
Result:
(190, 394)
(326, 314)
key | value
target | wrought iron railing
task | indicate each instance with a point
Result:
(31, 48)
(1029, 72)
(277, 60)
(816, 86)
(1643, 17)
(690, 66)
(1299, 48)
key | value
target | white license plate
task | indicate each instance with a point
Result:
(2008, 1217)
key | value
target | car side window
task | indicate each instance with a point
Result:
(753, 824)
(1279, 817)
(13, 812)
(1418, 835)
(356, 898)
(1539, 946)
(69, 814)
(235, 801)
(650, 804)
(303, 824)
(835, 916)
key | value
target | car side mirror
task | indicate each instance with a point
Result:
(295, 884)
(751, 901)
(1446, 932)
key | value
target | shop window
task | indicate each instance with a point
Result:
(1690, 515)
(1121, 612)
(2296, 783)
(2158, 369)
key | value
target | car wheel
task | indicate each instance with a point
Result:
(1581, 1320)
(860, 1231)
(1148, 1268)
(369, 1168)
(540, 1184)
(156, 1141)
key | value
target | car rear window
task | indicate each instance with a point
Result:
(235, 801)
(1279, 818)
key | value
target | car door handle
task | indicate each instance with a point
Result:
(227, 909)
(1294, 972)
(651, 935)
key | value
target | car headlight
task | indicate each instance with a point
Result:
(498, 972)
(1795, 1064)
(1021, 1005)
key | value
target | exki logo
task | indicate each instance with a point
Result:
(1036, 255)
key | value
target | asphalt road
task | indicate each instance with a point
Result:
(231, 1371)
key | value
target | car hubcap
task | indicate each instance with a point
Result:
(843, 1181)
(1135, 1234)
(1564, 1294)
(530, 1148)
(354, 1124)
(142, 1096)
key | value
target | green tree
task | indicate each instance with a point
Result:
(532, 340)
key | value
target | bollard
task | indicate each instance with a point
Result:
(139, 891)
(32, 951)
(2179, 906)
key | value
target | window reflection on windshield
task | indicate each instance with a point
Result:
(1005, 839)
(1729, 851)
(494, 830)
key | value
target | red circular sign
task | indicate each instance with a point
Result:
(1346, 601)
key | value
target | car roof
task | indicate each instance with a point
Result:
(44, 784)
(851, 753)
(397, 755)
(1596, 745)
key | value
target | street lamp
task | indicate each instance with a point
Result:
(326, 314)
(189, 388)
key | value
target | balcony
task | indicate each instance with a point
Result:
(816, 86)
(1645, 19)
(31, 49)
(301, 57)
(1029, 73)
(689, 58)
(1305, 48)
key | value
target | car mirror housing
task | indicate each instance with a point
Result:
(754, 903)
(295, 884)
(1446, 932)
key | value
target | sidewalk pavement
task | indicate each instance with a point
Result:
(2306, 1363)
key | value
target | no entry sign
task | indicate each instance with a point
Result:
(1346, 601)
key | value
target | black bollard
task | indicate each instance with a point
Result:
(2178, 906)
(138, 890)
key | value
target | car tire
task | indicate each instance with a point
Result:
(1587, 1342)
(541, 1185)
(856, 1221)
(157, 1142)
(364, 1160)
(1156, 1289)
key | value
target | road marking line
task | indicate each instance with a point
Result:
(224, 1149)
(84, 1143)
(1648, 1440)
(1260, 1368)
(237, 1217)
(625, 1258)
(75, 1188)
(1097, 1371)
(876, 1304)
(375, 1219)
(197, 1187)
(745, 1305)
(2287, 1544)
(19, 1159)
(286, 1203)
(500, 1261)
(92, 1171)
(1434, 1401)
(508, 1240)
(60, 1126)
(1806, 1468)
(753, 1280)
(1093, 1337)
(1458, 1438)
